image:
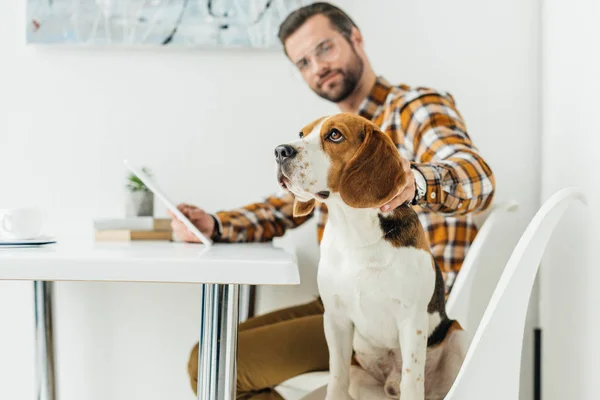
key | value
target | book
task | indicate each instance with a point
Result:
(129, 235)
(133, 223)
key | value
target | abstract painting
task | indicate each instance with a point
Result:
(192, 23)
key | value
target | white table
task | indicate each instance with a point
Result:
(221, 270)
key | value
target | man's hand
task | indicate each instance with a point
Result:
(407, 193)
(201, 220)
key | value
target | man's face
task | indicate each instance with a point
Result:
(328, 63)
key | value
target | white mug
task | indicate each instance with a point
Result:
(20, 223)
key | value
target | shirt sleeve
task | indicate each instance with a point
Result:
(458, 179)
(258, 222)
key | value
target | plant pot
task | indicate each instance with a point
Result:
(140, 204)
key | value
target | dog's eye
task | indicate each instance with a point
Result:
(301, 134)
(335, 136)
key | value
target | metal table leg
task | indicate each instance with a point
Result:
(245, 299)
(44, 344)
(218, 342)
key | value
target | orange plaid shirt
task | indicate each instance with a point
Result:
(429, 131)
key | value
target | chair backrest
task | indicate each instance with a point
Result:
(481, 268)
(491, 369)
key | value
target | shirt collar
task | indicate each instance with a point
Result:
(371, 106)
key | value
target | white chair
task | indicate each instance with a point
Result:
(483, 263)
(491, 369)
(481, 269)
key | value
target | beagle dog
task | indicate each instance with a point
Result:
(382, 290)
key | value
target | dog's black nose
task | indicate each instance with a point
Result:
(284, 152)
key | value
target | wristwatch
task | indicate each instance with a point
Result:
(420, 187)
(217, 231)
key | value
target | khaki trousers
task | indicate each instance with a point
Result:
(273, 348)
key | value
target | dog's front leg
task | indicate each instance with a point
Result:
(339, 332)
(413, 346)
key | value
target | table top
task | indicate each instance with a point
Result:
(150, 261)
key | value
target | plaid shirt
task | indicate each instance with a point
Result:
(429, 131)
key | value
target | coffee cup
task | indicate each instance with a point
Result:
(20, 223)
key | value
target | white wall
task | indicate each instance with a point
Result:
(71, 115)
(570, 288)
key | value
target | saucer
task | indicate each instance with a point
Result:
(27, 242)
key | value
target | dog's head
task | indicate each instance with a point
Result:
(343, 155)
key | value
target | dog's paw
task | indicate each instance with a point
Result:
(392, 389)
(411, 392)
(339, 397)
(338, 394)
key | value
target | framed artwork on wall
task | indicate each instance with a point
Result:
(213, 24)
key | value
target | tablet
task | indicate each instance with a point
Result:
(160, 194)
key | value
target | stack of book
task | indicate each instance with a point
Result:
(133, 228)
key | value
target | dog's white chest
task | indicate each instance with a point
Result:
(377, 287)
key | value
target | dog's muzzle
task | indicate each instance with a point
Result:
(284, 152)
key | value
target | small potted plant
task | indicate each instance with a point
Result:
(140, 201)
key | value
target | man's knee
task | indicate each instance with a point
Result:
(193, 368)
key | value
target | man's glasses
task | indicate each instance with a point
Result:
(326, 51)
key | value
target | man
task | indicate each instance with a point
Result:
(448, 179)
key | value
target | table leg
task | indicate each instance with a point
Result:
(218, 342)
(44, 343)
(244, 312)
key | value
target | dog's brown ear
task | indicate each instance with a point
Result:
(303, 208)
(374, 175)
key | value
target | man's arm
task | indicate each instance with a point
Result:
(258, 222)
(458, 180)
